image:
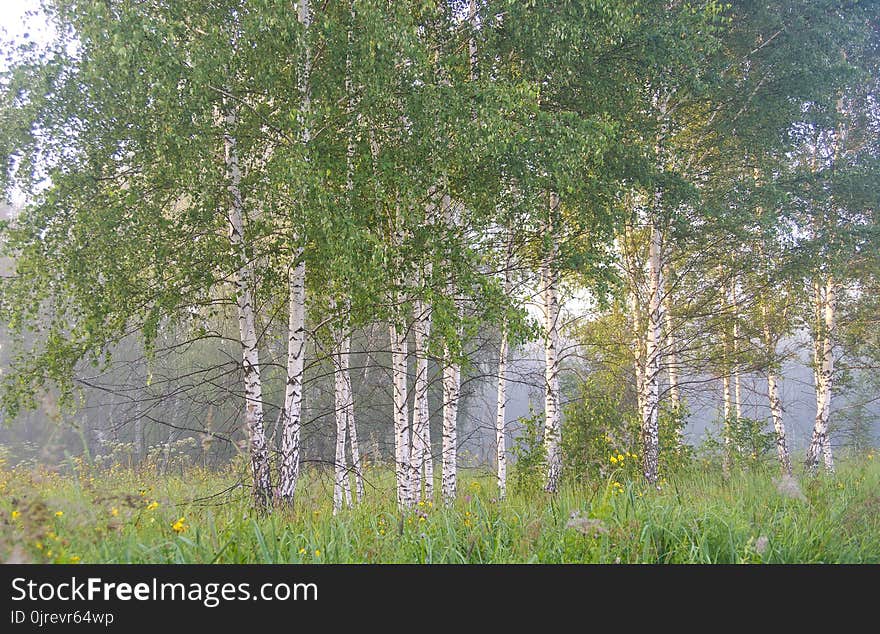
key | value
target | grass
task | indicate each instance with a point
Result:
(124, 515)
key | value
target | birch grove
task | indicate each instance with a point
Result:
(689, 191)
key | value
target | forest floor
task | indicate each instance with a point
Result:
(124, 515)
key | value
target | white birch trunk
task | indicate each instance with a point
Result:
(356, 465)
(775, 401)
(343, 408)
(500, 412)
(291, 420)
(552, 417)
(401, 416)
(500, 419)
(737, 380)
(451, 389)
(421, 435)
(253, 387)
(727, 393)
(349, 186)
(451, 385)
(825, 302)
(291, 417)
(650, 414)
(778, 424)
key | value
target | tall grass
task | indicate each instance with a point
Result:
(126, 515)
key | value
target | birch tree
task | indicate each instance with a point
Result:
(291, 419)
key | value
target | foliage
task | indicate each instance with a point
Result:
(529, 455)
(750, 445)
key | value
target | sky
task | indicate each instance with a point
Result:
(12, 20)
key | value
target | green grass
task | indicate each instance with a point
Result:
(127, 516)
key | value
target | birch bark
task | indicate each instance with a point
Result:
(253, 388)
(737, 379)
(653, 354)
(552, 418)
(824, 298)
(344, 420)
(401, 422)
(500, 412)
(349, 186)
(291, 421)
(451, 388)
(775, 401)
(421, 435)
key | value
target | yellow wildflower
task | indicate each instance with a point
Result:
(317, 553)
(620, 457)
(613, 460)
(114, 511)
(74, 559)
(421, 502)
(152, 506)
(39, 545)
(16, 514)
(302, 551)
(59, 513)
(179, 526)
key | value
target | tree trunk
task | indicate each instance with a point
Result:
(650, 414)
(500, 413)
(253, 387)
(422, 460)
(778, 425)
(552, 418)
(356, 465)
(343, 406)
(727, 396)
(773, 395)
(500, 419)
(401, 416)
(825, 307)
(451, 389)
(737, 379)
(291, 416)
(349, 186)
(291, 420)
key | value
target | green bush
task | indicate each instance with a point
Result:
(529, 455)
(602, 433)
(749, 443)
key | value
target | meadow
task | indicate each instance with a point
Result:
(134, 515)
